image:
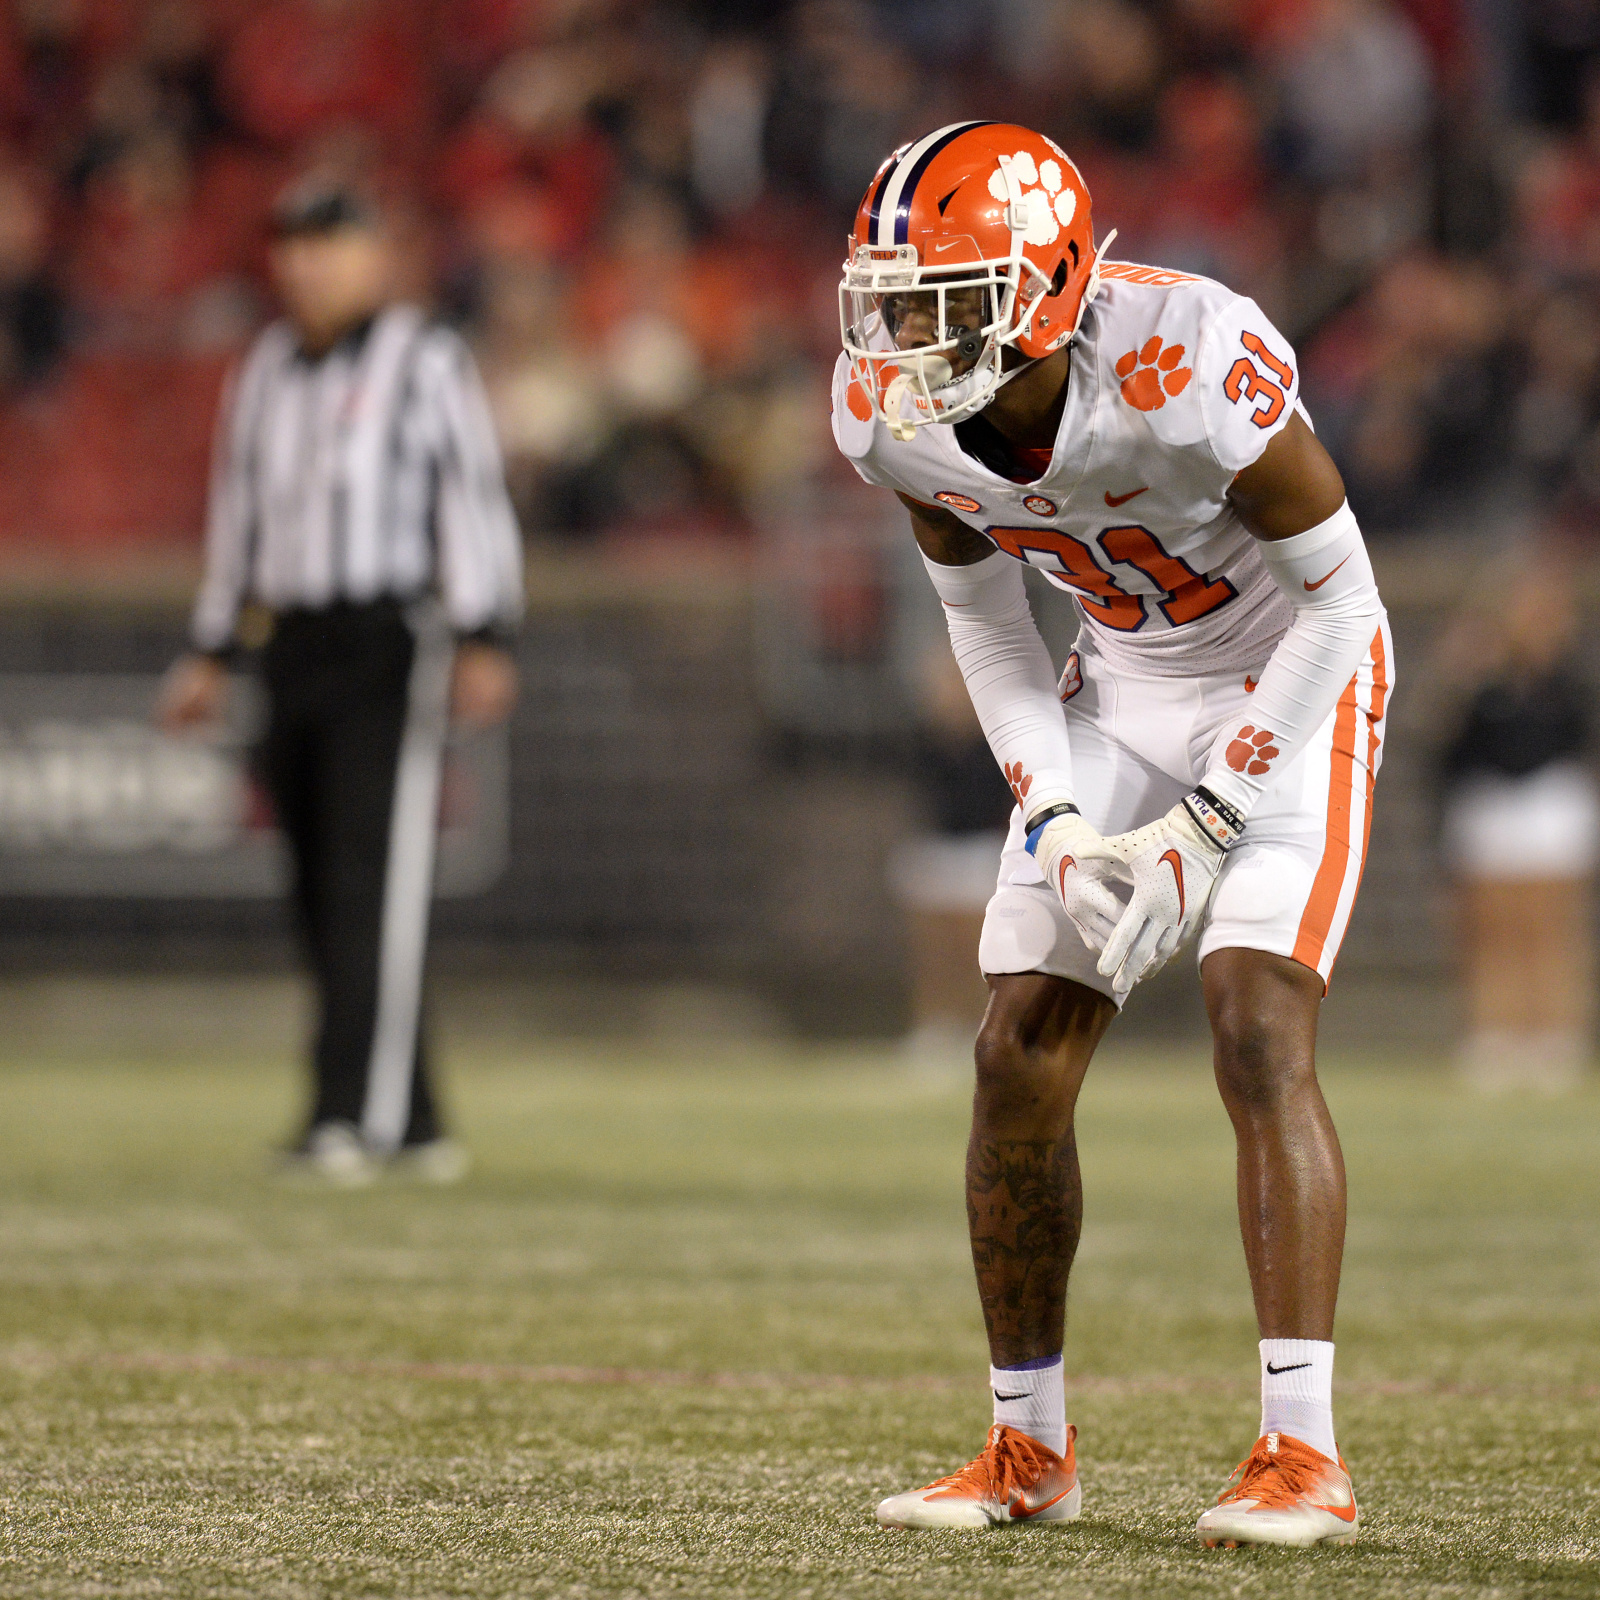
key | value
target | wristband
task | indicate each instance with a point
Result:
(1220, 822)
(1045, 818)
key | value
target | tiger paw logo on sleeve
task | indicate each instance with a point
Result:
(1071, 678)
(1252, 751)
(1149, 374)
(1021, 782)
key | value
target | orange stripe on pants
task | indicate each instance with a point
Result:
(1317, 919)
(1380, 694)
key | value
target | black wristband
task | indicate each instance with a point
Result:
(1062, 808)
(1221, 823)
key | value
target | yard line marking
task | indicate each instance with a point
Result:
(198, 1363)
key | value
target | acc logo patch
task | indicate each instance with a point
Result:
(1039, 506)
(962, 502)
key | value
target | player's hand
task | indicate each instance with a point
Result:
(1080, 866)
(194, 694)
(1174, 863)
(483, 685)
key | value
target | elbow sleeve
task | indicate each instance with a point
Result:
(1327, 576)
(1009, 675)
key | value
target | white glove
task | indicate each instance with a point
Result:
(1081, 866)
(1174, 863)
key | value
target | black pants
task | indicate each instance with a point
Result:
(354, 722)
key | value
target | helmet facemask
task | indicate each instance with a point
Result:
(935, 335)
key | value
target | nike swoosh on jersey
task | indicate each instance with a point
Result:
(1324, 578)
(1114, 500)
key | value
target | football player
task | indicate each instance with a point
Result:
(1203, 767)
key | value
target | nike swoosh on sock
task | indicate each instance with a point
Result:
(1295, 1367)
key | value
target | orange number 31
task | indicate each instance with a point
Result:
(1187, 595)
(1245, 382)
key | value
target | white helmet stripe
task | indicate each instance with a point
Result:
(906, 171)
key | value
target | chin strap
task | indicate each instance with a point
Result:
(1091, 289)
(1018, 215)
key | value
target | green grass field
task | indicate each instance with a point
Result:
(687, 1321)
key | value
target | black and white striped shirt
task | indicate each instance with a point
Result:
(369, 472)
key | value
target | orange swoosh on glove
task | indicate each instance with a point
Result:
(1176, 861)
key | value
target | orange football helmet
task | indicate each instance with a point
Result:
(971, 240)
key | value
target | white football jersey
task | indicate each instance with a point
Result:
(1177, 385)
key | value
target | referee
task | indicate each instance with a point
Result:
(357, 495)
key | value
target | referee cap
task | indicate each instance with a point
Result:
(319, 204)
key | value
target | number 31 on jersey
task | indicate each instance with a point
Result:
(1246, 381)
(1186, 595)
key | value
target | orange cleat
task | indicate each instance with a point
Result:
(1283, 1492)
(1016, 1479)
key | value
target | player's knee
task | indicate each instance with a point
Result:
(1000, 1055)
(1015, 1073)
(1258, 1060)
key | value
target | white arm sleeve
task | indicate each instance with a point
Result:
(1328, 579)
(1009, 675)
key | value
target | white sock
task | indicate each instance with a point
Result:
(1032, 1399)
(1297, 1391)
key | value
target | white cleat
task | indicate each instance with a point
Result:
(1016, 1479)
(333, 1154)
(1283, 1492)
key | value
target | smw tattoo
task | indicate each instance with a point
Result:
(1025, 1209)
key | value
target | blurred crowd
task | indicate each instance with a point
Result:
(636, 211)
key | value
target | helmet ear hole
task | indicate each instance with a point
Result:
(1059, 282)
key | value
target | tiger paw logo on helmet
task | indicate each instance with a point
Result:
(1252, 750)
(1150, 373)
(1058, 205)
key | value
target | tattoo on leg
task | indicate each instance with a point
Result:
(1024, 1212)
